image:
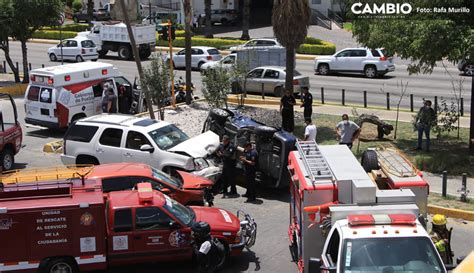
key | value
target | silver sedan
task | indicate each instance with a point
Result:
(272, 80)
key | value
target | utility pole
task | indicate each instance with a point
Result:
(187, 45)
(137, 59)
(170, 44)
(471, 127)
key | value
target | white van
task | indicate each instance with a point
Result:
(60, 95)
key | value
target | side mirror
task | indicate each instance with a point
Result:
(174, 225)
(147, 148)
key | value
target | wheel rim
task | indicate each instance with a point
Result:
(123, 53)
(323, 70)
(52, 57)
(370, 72)
(79, 59)
(7, 162)
(469, 70)
(61, 268)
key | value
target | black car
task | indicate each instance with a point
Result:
(100, 15)
(272, 144)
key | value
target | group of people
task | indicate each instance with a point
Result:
(110, 100)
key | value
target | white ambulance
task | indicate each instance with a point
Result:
(59, 95)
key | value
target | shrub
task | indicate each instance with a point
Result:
(69, 27)
(313, 41)
(201, 41)
(77, 5)
(53, 34)
(326, 48)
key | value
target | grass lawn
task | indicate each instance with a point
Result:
(447, 153)
(450, 202)
(347, 26)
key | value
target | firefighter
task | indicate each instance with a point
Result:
(209, 252)
(441, 237)
(226, 152)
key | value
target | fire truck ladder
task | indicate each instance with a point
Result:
(45, 174)
(395, 163)
(314, 161)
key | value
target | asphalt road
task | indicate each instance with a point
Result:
(439, 83)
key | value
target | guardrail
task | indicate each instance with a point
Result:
(318, 18)
(336, 19)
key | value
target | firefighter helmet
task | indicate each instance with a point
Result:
(439, 219)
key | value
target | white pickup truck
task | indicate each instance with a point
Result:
(114, 37)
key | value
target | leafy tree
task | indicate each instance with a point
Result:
(290, 22)
(5, 31)
(156, 78)
(246, 21)
(207, 11)
(216, 84)
(76, 5)
(28, 16)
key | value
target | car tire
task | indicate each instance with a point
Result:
(124, 52)
(369, 161)
(79, 59)
(53, 58)
(199, 65)
(225, 254)
(61, 265)
(265, 131)
(370, 71)
(278, 92)
(94, 60)
(219, 115)
(7, 158)
(323, 69)
(469, 70)
(102, 53)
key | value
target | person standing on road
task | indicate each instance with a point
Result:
(441, 237)
(425, 118)
(208, 251)
(286, 109)
(310, 130)
(307, 103)
(250, 160)
(347, 131)
(226, 152)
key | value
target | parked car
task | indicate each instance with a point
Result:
(76, 49)
(466, 66)
(226, 62)
(256, 43)
(110, 138)
(370, 62)
(199, 56)
(222, 16)
(273, 80)
(97, 15)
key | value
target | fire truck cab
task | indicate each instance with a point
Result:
(340, 221)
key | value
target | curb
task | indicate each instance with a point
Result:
(17, 89)
(253, 101)
(450, 212)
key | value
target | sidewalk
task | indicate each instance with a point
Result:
(454, 184)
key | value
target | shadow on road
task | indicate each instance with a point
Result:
(46, 133)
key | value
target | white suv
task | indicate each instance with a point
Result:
(112, 138)
(370, 62)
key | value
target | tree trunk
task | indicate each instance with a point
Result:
(24, 53)
(90, 10)
(471, 129)
(290, 66)
(246, 21)
(187, 46)
(6, 50)
(208, 27)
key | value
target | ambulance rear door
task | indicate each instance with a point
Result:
(40, 105)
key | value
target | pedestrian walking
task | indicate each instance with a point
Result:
(226, 152)
(307, 103)
(441, 237)
(287, 113)
(208, 251)
(310, 130)
(347, 131)
(249, 159)
(425, 118)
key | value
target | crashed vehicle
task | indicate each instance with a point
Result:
(273, 145)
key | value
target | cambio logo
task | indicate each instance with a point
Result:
(385, 8)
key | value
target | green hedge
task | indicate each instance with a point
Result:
(201, 41)
(53, 34)
(326, 48)
(69, 27)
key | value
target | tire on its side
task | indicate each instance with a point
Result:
(61, 265)
(7, 159)
(265, 131)
(219, 115)
(369, 161)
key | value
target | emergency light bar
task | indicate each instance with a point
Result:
(381, 219)
(145, 192)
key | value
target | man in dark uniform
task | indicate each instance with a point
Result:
(208, 251)
(226, 152)
(307, 103)
(286, 109)
(250, 160)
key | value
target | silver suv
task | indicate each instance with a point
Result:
(370, 62)
(256, 43)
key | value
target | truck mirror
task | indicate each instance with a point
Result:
(314, 265)
(147, 148)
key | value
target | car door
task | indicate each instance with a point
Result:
(132, 153)
(120, 241)
(108, 148)
(356, 59)
(178, 59)
(254, 78)
(270, 80)
(158, 236)
(73, 49)
(196, 57)
(341, 61)
(331, 251)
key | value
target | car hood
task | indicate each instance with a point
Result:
(218, 219)
(198, 146)
(194, 182)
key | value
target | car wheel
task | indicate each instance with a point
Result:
(53, 57)
(199, 65)
(102, 53)
(323, 69)
(369, 161)
(79, 59)
(219, 115)
(370, 71)
(61, 265)
(7, 159)
(469, 70)
(124, 52)
(265, 131)
(278, 92)
(94, 60)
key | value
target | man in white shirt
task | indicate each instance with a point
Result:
(347, 131)
(309, 131)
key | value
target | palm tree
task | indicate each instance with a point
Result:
(246, 21)
(187, 46)
(208, 27)
(290, 22)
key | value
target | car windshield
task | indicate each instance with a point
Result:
(184, 214)
(167, 137)
(409, 254)
(166, 178)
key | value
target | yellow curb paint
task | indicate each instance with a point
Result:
(15, 89)
(450, 212)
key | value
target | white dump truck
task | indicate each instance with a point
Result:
(340, 221)
(114, 37)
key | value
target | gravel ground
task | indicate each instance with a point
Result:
(191, 118)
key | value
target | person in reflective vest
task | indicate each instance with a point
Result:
(441, 237)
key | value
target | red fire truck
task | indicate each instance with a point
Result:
(341, 221)
(52, 228)
(10, 132)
